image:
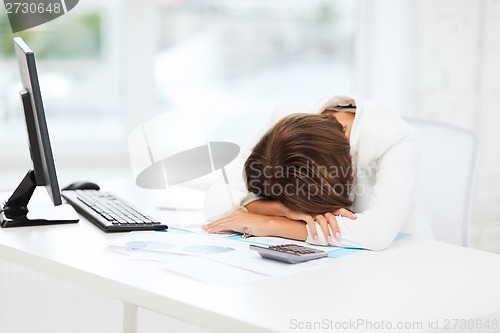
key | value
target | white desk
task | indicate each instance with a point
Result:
(413, 280)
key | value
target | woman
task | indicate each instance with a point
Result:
(344, 174)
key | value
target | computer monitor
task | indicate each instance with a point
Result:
(14, 212)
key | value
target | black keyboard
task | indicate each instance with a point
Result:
(109, 212)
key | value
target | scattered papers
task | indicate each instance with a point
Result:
(221, 259)
(224, 261)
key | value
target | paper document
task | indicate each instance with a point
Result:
(206, 270)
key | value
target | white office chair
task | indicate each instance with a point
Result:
(448, 161)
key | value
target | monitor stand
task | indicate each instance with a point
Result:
(14, 212)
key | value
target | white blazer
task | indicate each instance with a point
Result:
(385, 154)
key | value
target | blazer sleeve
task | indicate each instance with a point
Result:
(390, 202)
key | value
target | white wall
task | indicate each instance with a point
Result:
(438, 59)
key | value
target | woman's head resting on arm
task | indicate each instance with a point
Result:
(304, 163)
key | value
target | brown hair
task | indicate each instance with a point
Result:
(304, 163)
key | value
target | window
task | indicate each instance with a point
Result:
(228, 61)
(79, 79)
(234, 60)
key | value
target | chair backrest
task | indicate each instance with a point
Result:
(448, 160)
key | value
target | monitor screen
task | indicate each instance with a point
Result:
(38, 135)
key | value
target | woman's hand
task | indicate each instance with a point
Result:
(324, 220)
(328, 221)
(237, 221)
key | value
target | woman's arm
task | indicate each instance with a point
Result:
(270, 218)
(266, 207)
(259, 225)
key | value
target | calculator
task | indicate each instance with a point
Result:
(289, 253)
